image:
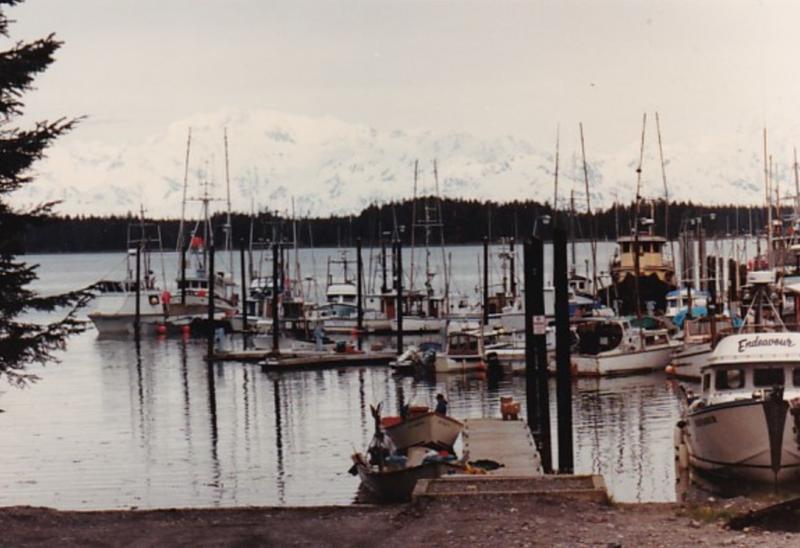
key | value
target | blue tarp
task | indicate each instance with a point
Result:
(697, 312)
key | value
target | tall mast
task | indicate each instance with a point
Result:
(228, 226)
(441, 234)
(636, 223)
(181, 242)
(572, 230)
(666, 195)
(769, 202)
(796, 185)
(555, 174)
(592, 234)
(413, 226)
(297, 275)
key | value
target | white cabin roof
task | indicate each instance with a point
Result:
(342, 289)
(757, 348)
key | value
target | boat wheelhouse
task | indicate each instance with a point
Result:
(652, 258)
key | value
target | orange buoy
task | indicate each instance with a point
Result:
(185, 329)
(670, 370)
(161, 329)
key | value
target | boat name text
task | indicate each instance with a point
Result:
(746, 344)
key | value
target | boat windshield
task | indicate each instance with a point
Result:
(768, 376)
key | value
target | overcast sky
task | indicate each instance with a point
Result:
(716, 71)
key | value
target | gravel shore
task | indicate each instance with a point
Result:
(467, 521)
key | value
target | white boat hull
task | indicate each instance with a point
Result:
(430, 428)
(122, 324)
(622, 363)
(737, 440)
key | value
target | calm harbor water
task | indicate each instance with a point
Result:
(116, 425)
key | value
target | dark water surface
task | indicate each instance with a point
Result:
(116, 426)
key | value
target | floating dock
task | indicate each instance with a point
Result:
(511, 446)
(306, 360)
(506, 442)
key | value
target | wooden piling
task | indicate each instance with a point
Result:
(563, 365)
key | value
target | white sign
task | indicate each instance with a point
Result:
(540, 325)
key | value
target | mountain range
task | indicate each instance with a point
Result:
(320, 166)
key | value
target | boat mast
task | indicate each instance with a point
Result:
(796, 186)
(441, 235)
(769, 202)
(636, 223)
(228, 226)
(413, 227)
(297, 275)
(555, 175)
(666, 198)
(181, 243)
(592, 233)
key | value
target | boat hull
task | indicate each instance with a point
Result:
(398, 485)
(613, 363)
(455, 364)
(428, 429)
(122, 324)
(689, 359)
(753, 440)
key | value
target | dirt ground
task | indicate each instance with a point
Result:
(468, 521)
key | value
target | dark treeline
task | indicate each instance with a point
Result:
(465, 221)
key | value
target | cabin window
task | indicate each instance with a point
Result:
(645, 247)
(626, 247)
(656, 247)
(706, 382)
(728, 379)
(796, 376)
(767, 377)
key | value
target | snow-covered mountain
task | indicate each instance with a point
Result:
(329, 166)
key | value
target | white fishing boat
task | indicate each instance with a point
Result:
(114, 307)
(464, 352)
(746, 422)
(613, 346)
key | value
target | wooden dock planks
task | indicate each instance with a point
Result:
(506, 442)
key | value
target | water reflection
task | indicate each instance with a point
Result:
(153, 425)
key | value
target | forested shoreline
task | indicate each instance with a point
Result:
(464, 222)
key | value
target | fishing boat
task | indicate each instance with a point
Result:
(464, 352)
(615, 346)
(746, 422)
(115, 303)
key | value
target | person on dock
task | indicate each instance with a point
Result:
(441, 404)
